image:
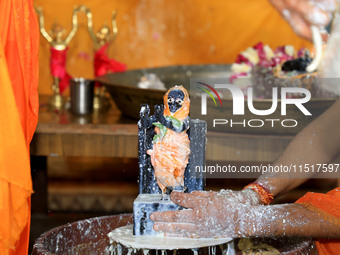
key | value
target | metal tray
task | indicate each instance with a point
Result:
(128, 97)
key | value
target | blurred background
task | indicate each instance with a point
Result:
(156, 33)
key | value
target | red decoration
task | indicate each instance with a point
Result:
(265, 195)
(103, 64)
(58, 67)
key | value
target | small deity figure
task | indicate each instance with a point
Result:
(59, 48)
(101, 40)
(170, 150)
(102, 63)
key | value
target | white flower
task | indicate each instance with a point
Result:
(240, 68)
(269, 52)
(251, 55)
(289, 49)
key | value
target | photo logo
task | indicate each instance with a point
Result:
(226, 106)
(209, 93)
(239, 99)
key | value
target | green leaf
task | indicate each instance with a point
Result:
(175, 122)
(163, 129)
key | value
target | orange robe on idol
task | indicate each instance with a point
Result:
(19, 67)
(170, 155)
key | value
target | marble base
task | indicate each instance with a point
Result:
(143, 206)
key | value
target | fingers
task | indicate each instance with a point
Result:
(302, 14)
(300, 26)
(182, 216)
(278, 4)
(326, 5)
(175, 228)
(319, 17)
(203, 193)
(303, 6)
(310, 11)
(185, 200)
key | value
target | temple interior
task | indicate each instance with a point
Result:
(101, 61)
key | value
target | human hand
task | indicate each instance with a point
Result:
(302, 14)
(209, 214)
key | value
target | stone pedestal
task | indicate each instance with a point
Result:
(143, 206)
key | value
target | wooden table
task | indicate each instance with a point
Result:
(112, 135)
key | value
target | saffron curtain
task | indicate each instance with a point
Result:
(19, 67)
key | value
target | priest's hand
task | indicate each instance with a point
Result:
(208, 214)
(302, 14)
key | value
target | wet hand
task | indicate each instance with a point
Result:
(209, 214)
(302, 14)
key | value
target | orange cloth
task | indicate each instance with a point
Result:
(329, 203)
(19, 45)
